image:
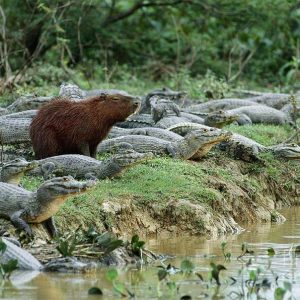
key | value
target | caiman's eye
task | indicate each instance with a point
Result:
(115, 99)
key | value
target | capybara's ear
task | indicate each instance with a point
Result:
(102, 97)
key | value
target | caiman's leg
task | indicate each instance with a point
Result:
(84, 149)
(47, 169)
(20, 223)
(171, 151)
(50, 227)
(90, 176)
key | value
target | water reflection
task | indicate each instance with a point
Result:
(143, 282)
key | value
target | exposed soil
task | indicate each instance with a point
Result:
(247, 193)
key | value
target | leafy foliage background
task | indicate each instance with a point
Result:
(252, 39)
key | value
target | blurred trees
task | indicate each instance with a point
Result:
(251, 38)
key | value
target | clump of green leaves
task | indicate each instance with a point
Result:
(66, 247)
(97, 243)
(227, 255)
(187, 267)
(245, 250)
(137, 245)
(215, 272)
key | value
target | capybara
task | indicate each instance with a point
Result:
(68, 127)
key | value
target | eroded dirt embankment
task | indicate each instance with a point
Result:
(244, 193)
(211, 197)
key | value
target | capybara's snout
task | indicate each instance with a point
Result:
(136, 103)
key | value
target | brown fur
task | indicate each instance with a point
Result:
(68, 127)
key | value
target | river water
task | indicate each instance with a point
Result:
(142, 281)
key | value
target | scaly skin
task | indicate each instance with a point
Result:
(137, 121)
(12, 171)
(25, 260)
(286, 151)
(241, 147)
(14, 130)
(196, 141)
(185, 127)
(10, 153)
(28, 102)
(23, 207)
(150, 131)
(261, 114)
(164, 93)
(71, 91)
(81, 166)
(161, 108)
(272, 99)
(215, 105)
(167, 122)
(219, 119)
(74, 92)
(25, 114)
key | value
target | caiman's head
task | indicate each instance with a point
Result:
(54, 192)
(161, 107)
(208, 135)
(63, 186)
(220, 118)
(12, 171)
(287, 151)
(206, 138)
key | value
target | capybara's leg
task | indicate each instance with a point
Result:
(84, 149)
(49, 146)
(93, 150)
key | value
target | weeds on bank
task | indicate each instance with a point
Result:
(250, 282)
(88, 243)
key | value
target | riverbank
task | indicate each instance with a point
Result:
(209, 197)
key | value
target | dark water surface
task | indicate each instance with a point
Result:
(143, 281)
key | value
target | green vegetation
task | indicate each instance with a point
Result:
(170, 41)
(238, 279)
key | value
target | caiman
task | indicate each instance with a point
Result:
(14, 130)
(81, 166)
(28, 102)
(246, 149)
(213, 105)
(21, 206)
(26, 261)
(194, 145)
(12, 171)
(150, 131)
(261, 114)
(241, 147)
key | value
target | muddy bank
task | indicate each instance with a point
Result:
(166, 196)
(244, 193)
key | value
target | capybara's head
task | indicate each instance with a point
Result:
(119, 105)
